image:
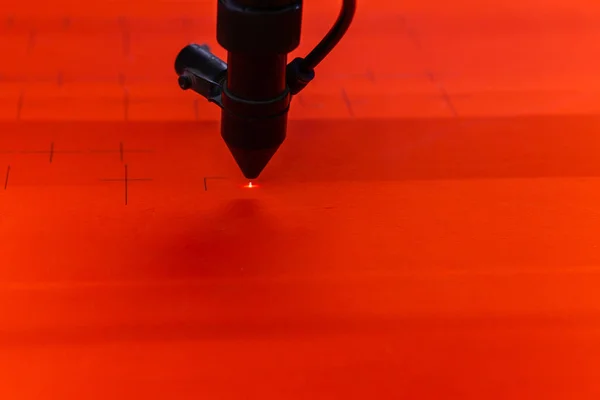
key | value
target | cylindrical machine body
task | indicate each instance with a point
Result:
(256, 76)
(258, 35)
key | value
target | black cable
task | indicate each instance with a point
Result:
(332, 38)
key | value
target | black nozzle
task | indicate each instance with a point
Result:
(253, 141)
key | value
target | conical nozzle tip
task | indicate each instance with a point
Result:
(252, 162)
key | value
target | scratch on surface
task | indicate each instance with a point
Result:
(443, 93)
(6, 179)
(348, 102)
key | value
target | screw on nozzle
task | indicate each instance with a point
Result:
(185, 81)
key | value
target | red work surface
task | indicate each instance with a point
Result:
(429, 230)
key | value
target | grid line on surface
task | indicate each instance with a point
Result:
(384, 68)
(138, 50)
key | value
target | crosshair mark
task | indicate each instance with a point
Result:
(126, 179)
(51, 153)
(121, 151)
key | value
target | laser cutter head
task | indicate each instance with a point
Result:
(255, 87)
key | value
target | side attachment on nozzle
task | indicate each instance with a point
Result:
(201, 71)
